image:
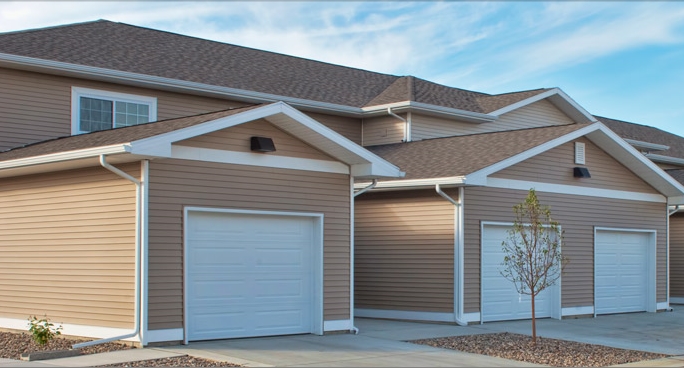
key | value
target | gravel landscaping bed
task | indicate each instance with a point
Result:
(183, 361)
(13, 344)
(551, 352)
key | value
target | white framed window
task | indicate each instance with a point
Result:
(93, 110)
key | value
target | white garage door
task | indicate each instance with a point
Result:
(500, 300)
(249, 275)
(621, 271)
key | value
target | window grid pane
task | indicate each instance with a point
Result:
(96, 114)
(129, 113)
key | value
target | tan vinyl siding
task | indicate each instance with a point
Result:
(237, 138)
(538, 114)
(67, 247)
(404, 251)
(348, 127)
(677, 255)
(383, 130)
(556, 166)
(36, 107)
(178, 183)
(578, 215)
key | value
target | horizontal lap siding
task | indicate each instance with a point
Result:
(175, 184)
(67, 247)
(404, 251)
(238, 139)
(556, 166)
(348, 127)
(577, 215)
(36, 107)
(383, 130)
(538, 114)
(677, 255)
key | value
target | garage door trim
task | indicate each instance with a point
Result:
(650, 264)
(555, 289)
(317, 266)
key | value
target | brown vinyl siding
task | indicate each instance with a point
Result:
(175, 184)
(36, 107)
(67, 247)
(556, 166)
(383, 130)
(348, 127)
(677, 255)
(577, 215)
(538, 114)
(237, 138)
(404, 251)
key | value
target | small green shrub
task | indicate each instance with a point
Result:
(43, 330)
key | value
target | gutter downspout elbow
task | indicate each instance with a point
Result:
(138, 193)
(364, 190)
(406, 129)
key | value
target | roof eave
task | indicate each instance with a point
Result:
(412, 184)
(428, 109)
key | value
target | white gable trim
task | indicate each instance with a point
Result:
(362, 161)
(555, 95)
(610, 142)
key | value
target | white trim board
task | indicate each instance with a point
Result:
(676, 300)
(338, 325)
(171, 334)
(257, 159)
(98, 332)
(405, 315)
(662, 305)
(574, 190)
(578, 311)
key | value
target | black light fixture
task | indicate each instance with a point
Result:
(581, 172)
(262, 144)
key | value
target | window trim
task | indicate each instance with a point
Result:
(78, 92)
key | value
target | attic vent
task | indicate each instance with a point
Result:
(579, 153)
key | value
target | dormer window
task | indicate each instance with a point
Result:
(93, 110)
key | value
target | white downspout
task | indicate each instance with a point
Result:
(676, 209)
(138, 192)
(353, 328)
(406, 128)
(459, 227)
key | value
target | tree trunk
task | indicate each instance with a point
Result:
(534, 324)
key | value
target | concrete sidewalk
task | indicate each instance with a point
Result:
(91, 360)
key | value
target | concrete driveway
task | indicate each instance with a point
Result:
(381, 343)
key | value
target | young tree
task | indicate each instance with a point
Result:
(532, 251)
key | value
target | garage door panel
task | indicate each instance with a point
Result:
(500, 300)
(621, 271)
(249, 275)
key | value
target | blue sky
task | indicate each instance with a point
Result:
(623, 60)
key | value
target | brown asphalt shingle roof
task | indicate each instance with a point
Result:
(115, 136)
(646, 133)
(164, 54)
(462, 155)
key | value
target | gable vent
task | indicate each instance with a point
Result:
(579, 153)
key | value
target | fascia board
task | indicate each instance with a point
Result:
(665, 159)
(658, 178)
(647, 145)
(64, 156)
(480, 175)
(550, 93)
